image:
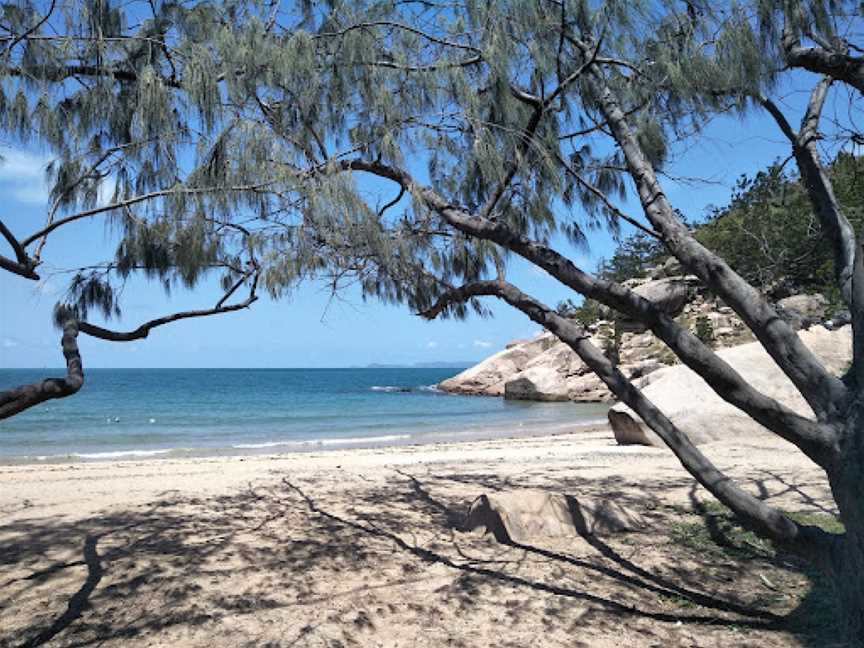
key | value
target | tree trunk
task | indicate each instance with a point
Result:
(847, 485)
(849, 586)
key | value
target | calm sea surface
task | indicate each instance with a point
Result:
(165, 412)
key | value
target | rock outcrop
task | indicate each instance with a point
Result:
(545, 369)
(526, 516)
(488, 377)
(674, 390)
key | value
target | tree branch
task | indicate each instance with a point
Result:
(17, 400)
(856, 309)
(24, 265)
(602, 197)
(33, 28)
(133, 201)
(824, 392)
(838, 65)
(527, 135)
(401, 26)
(69, 71)
(819, 188)
(144, 330)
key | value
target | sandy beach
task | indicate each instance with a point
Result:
(362, 548)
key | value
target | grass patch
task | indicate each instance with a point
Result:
(718, 534)
(825, 521)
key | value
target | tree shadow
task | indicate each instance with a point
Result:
(294, 563)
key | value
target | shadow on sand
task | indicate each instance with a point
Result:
(298, 563)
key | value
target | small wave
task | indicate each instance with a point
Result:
(377, 439)
(120, 453)
(407, 389)
(391, 388)
(269, 444)
(432, 388)
(323, 442)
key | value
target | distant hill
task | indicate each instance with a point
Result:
(424, 365)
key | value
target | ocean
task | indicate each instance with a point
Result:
(128, 413)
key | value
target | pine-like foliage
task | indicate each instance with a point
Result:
(226, 132)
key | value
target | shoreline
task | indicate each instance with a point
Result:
(121, 482)
(394, 439)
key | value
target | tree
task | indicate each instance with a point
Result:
(535, 117)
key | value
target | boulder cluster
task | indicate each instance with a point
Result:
(546, 369)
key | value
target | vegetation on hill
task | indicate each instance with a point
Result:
(768, 233)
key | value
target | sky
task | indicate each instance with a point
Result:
(307, 328)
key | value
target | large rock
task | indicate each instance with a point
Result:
(557, 374)
(588, 388)
(527, 516)
(669, 294)
(540, 383)
(488, 377)
(561, 357)
(810, 307)
(694, 407)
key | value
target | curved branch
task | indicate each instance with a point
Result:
(32, 29)
(392, 202)
(819, 188)
(144, 330)
(69, 71)
(402, 26)
(838, 65)
(527, 135)
(602, 197)
(18, 399)
(769, 521)
(24, 265)
(20, 269)
(133, 201)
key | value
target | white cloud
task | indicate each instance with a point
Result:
(431, 344)
(21, 165)
(9, 343)
(23, 176)
(482, 344)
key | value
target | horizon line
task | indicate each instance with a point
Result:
(375, 366)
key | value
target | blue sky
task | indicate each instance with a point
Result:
(307, 329)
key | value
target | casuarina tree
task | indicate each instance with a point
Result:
(501, 124)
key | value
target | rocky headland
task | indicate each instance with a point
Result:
(545, 369)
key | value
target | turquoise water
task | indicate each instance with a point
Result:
(170, 412)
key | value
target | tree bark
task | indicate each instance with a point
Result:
(819, 188)
(24, 397)
(837, 65)
(847, 487)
